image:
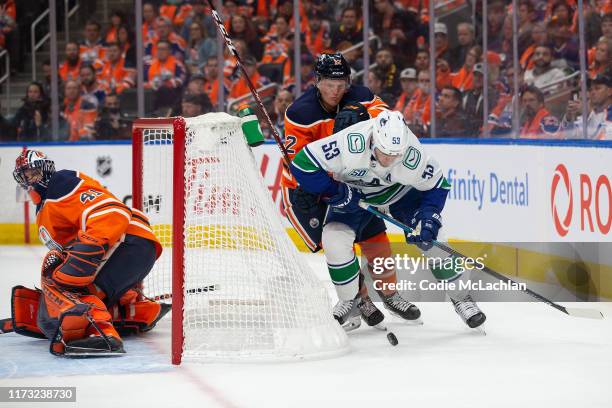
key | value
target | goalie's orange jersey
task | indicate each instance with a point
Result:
(75, 202)
(307, 121)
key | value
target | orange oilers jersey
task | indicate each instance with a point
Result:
(75, 202)
(117, 76)
(307, 121)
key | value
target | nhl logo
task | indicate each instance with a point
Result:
(314, 222)
(103, 166)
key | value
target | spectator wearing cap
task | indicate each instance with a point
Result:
(164, 32)
(418, 112)
(536, 120)
(195, 105)
(543, 73)
(199, 48)
(348, 29)
(318, 38)
(93, 47)
(408, 81)
(441, 42)
(599, 120)
(165, 76)
(240, 86)
(465, 41)
(451, 121)
(473, 101)
(399, 29)
(386, 65)
(464, 77)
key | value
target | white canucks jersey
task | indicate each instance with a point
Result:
(349, 158)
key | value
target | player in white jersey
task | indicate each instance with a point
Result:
(381, 162)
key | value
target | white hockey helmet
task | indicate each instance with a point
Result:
(390, 135)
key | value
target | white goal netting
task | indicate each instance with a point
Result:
(248, 293)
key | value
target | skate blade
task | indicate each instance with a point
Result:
(415, 322)
(352, 324)
(79, 352)
(380, 326)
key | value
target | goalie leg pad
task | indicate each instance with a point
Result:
(66, 317)
(133, 316)
(129, 264)
(24, 310)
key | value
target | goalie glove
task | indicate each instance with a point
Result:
(77, 265)
(351, 113)
(430, 223)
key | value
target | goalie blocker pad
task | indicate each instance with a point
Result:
(24, 311)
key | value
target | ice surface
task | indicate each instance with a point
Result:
(532, 356)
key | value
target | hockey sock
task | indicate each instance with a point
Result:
(378, 246)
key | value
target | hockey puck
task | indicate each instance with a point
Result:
(392, 339)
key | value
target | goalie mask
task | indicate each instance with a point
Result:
(33, 170)
(390, 135)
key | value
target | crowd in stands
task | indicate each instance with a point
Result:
(182, 70)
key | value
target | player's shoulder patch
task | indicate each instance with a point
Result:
(306, 109)
(62, 183)
(359, 93)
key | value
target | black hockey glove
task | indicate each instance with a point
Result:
(351, 113)
(304, 201)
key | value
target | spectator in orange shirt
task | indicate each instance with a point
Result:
(211, 84)
(69, 69)
(441, 42)
(164, 31)
(117, 20)
(165, 76)
(240, 87)
(92, 48)
(277, 46)
(418, 112)
(79, 113)
(536, 121)
(149, 17)
(408, 80)
(317, 35)
(539, 36)
(462, 79)
(114, 73)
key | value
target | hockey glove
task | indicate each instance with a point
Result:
(304, 201)
(81, 260)
(346, 199)
(430, 222)
(351, 113)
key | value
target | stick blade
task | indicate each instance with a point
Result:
(584, 313)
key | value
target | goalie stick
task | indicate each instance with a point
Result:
(575, 312)
(260, 105)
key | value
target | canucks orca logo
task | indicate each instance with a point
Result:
(383, 121)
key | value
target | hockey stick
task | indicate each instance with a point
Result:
(586, 313)
(230, 46)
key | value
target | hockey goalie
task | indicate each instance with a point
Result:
(100, 250)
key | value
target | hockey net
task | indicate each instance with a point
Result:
(228, 263)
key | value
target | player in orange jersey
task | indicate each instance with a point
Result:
(100, 250)
(329, 106)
